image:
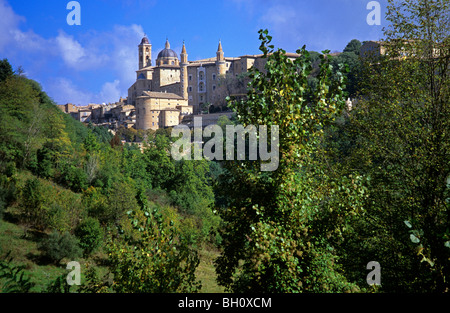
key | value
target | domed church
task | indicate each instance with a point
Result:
(174, 87)
(167, 56)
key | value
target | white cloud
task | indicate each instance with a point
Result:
(64, 90)
(111, 54)
(110, 92)
(71, 50)
(9, 21)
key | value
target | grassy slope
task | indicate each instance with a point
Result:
(24, 251)
(206, 271)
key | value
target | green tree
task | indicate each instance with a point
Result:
(149, 256)
(91, 143)
(58, 246)
(276, 224)
(400, 140)
(351, 59)
(6, 70)
(34, 211)
(159, 164)
(90, 234)
(121, 199)
(20, 127)
(353, 46)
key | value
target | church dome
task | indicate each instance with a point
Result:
(167, 53)
(167, 56)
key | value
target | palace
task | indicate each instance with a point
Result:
(171, 90)
(174, 88)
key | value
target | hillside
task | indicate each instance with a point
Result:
(67, 193)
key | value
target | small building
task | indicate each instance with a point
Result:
(156, 110)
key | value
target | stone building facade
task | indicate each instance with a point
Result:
(190, 86)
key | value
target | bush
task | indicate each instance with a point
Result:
(90, 234)
(7, 192)
(73, 177)
(59, 246)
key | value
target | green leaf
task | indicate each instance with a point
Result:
(414, 239)
(407, 223)
(447, 244)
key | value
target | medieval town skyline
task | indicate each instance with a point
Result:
(96, 62)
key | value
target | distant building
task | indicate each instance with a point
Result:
(173, 89)
(176, 87)
(372, 49)
(404, 49)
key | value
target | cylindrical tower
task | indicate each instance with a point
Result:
(184, 72)
(220, 62)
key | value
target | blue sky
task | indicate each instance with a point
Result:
(96, 61)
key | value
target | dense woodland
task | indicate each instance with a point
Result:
(370, 183)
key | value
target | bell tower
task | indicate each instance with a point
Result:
(145, 53)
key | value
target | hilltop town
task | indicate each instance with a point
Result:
(171, 90)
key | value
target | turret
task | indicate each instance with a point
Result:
(220, 61)
(184, 72)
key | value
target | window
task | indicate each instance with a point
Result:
(214, 76)
(190, 88)
(214, 87)
(190, 77)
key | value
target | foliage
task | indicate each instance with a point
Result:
(6, 70)
(399, 134)
(353, 47)
(58, 246)
(61, 177)
(276, 223)
(90, 234)
(149, 256)
(12, 277)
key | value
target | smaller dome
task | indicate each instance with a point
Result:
(145, 41)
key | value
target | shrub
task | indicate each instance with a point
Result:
(90, 234)
(58, 246)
